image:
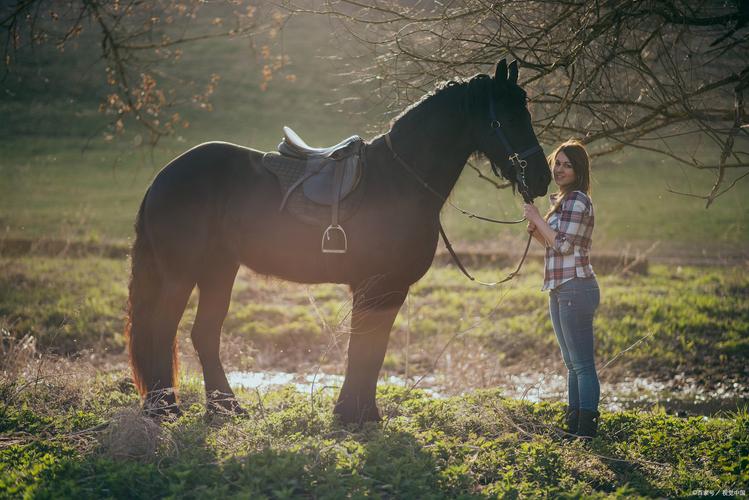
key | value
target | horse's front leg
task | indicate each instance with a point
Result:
(375, 309)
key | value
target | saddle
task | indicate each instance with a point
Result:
(328, 178)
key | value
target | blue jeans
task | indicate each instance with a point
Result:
(572, 306)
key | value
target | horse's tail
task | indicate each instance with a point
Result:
(145, 285)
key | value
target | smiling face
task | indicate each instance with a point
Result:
(564, 173)
(569, 164)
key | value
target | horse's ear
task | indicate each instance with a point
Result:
(500, 74)
(513, 74)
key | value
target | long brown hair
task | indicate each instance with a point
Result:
(578, 155)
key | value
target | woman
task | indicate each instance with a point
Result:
(566, 232)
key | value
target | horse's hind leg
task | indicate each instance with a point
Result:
(160, 371)
(215, 295)
(375, 309)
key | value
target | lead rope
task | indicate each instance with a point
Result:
(470, 215)
(468, 275)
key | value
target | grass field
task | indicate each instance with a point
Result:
(70, 427)
(69, 421)
(696, 320)
(68, 432)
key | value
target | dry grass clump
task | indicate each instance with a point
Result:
(50, 386)
(15, 354)
(132, 436)
(44, 382)
(18, 356)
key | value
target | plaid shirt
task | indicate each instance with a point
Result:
(569, 256)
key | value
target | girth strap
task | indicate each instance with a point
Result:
(337, 181)
(335, 228)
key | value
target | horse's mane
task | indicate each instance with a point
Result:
(468, 97)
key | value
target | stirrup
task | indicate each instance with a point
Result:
(326, 236)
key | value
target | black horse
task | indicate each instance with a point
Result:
(215, 207)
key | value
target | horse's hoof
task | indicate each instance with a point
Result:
(348, 413)
(167, 413)
(225, 404)
(162, 405)
(234, 410)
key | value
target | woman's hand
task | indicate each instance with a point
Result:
(537, 226)
(532, 214)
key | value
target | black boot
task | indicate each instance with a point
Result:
(587, 424)
(571, 417)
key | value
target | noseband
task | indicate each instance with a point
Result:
(515, 160)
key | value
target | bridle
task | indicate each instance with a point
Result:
(516, 160)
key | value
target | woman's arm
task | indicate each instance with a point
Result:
(572, 226)
(533, 231)
(544, 234)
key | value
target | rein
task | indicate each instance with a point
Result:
(463, 269)
(429, 188)
(470, 215)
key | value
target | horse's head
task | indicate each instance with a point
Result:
(506, 134)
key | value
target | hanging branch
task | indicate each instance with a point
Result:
(135, 38)
(657, 76)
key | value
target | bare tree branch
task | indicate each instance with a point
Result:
(658, 76)
(136, 37)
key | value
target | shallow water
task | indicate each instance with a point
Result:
(310, 382)
(681, 395)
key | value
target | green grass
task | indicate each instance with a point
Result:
(696, 320)
(80, 436)
(66, 305)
